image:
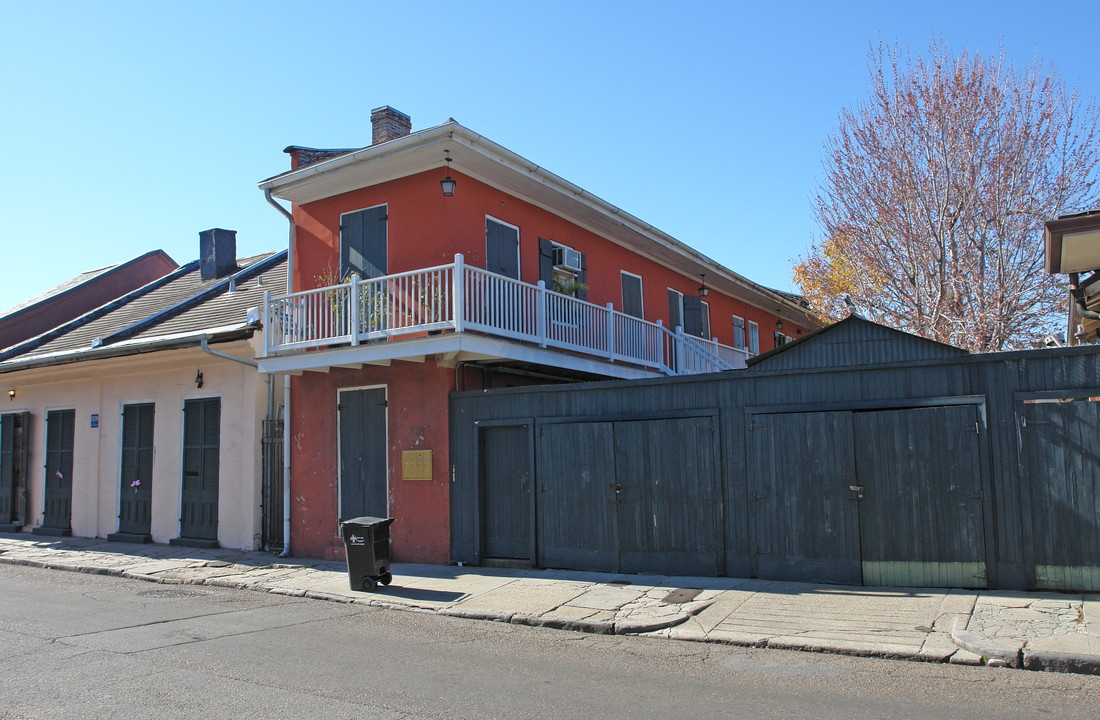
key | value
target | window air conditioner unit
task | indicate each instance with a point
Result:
(566, 258)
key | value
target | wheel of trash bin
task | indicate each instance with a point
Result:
(386, 578)
(369, 584)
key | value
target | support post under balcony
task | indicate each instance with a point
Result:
(540, 313)
(457, 292)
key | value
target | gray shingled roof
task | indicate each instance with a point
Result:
(182, 304)
(63, 287)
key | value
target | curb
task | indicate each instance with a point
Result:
(1062, 662)
(1008, 655)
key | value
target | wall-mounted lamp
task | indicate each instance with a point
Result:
(198, 379)
(447, 183)
(11, 394)
(703, 289)
(778, 324)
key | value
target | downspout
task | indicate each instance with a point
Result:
(286, 384)
(225, 356)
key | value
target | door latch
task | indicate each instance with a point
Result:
(858, 490)
(618, 488)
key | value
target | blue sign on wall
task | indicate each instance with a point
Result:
(95, 420)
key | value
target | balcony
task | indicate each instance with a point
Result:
(429, 308)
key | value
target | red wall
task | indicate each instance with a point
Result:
(416, 411)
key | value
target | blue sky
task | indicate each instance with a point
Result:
(130, 126)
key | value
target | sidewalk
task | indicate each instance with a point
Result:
(1037, 631)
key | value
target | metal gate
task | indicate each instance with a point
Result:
(882, 497)
(14, 457)
(272, 491)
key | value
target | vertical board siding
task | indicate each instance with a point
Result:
(1036, 519)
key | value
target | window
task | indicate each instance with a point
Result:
(754, 338)
(565, 278)
(632, 294)
(780, 339)
(706, 319)
(739, 332)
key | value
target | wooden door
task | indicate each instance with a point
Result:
(504, 460)
(501, 248)
(362, 431)
(363, 243)
(136, 491)
(669, 506)
(1061, 461)
(576, 497)
(806, 522)
(201, 469)
(920, 516)
(58, 493)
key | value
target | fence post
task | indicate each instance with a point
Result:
(353, 300)
(458, 283)
(611, 331)
(266, 319)
(540, 313)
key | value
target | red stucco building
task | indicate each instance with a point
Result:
(403, 292)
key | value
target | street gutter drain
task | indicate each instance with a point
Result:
(681, 595)
(163, 594)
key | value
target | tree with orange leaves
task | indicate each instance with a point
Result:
(934, 195)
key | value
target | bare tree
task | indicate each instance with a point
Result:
(934, 195)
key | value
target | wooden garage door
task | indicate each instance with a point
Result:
(1062, 464)
(806, 518)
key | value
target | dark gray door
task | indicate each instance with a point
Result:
(58, 494)
(693, 317)
(1062, 465)
(806, 527)
(14, 455)
(920, 517)
(576, 497)
(501, 249)
(135, 501)
(363, 453)
(669, 505)
(505, 463)
(363, 243)
(201, 459)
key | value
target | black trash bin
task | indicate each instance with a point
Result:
(367, 547)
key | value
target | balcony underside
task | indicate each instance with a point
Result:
(449, 348)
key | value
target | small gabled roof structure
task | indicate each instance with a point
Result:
(854, 341)
(81, 294)
(178, 310)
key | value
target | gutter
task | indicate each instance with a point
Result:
(286, 382)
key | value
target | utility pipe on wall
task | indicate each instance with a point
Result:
(286, 383)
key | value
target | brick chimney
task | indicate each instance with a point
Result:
(217, 253)
(388, 124)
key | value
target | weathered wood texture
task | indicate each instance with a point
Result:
(971, 475)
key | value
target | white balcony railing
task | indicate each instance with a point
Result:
(461, 298)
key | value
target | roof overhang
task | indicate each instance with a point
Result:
(1073, 243)
(480, 158)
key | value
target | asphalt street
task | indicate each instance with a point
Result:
(90, 646)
